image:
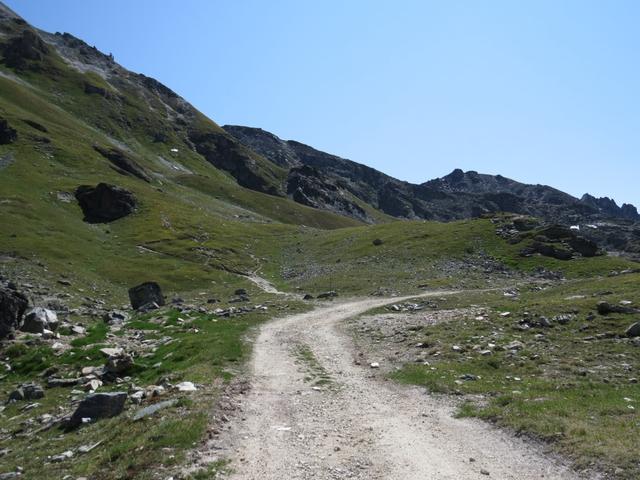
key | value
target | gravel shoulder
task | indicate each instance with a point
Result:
(354, 424)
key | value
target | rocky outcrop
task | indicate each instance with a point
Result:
(12, 307)
(25, 49)
(146, 294)
(105, 203)
(306, 185)
(122, 162)
(266, 144)
(223, 152)
(608, 207)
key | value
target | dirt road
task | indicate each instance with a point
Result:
(354, 425)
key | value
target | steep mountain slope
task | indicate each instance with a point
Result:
(71, 116)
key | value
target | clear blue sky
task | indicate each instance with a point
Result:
(542, 91)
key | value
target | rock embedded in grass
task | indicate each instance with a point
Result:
(633, 330)
(27, 391)
(605, 308)
(145, 294)
(96, 406)
(105, 203)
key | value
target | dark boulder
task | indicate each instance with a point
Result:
(145, 294)
(122, 162)
(12, 308)
(377, 242)
(633, 330)
(119, 364)
(605, 308)
(27, 391)
(105, 203)
(97, 406)
(308, 297)
(7, 134)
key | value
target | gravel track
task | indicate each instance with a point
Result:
(358, 426)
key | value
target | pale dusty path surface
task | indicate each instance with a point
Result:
(358, 427)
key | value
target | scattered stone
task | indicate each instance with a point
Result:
(516, 345)
(40, 319)
(151, 409)
(118, 364)
(136, 397)
(186, 387)
(374, 365)
(92, 385)
(115, 317)
(62, 457)
(105, 203)
(96, 406)
(145, 294)
(87, 448)
(484, 472)
(12, 308)
(78, 330)
(240, 291)
(53, 382)
(563, 319)
(112, 352)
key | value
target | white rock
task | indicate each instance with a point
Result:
(112, 352)
(374, 365)
(186, 387)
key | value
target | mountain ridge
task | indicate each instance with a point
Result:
(489, 193)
